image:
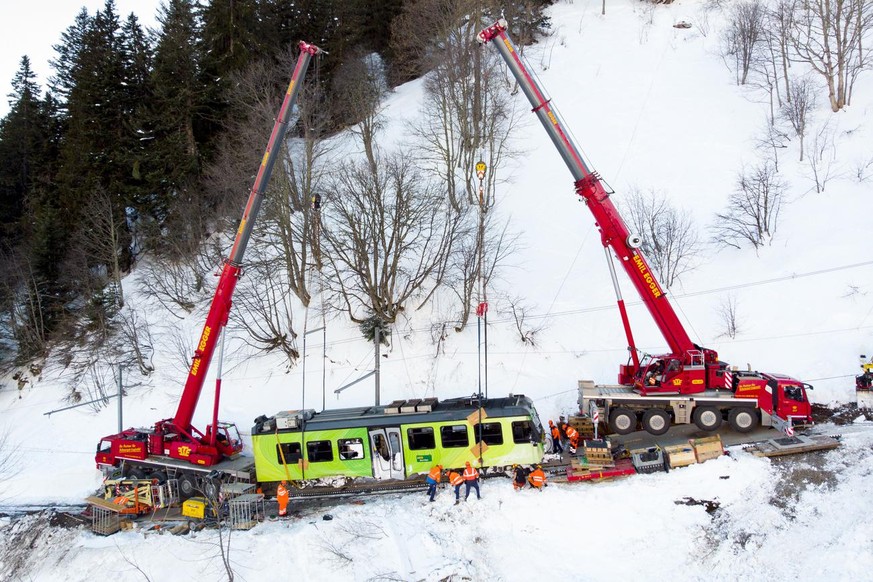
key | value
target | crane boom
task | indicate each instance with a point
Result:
(175, 437)
(614, 233)
(219, 311)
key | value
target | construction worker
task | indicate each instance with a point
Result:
(433, 479)
(282, 498)
(557, 447)
(572, 436)
(456, 480)
(519, 477)
(471, 479)
(537, 478)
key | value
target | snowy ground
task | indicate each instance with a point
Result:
(653, 107)
(735, 518)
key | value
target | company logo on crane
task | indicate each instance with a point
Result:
(201, 347)
(647, 277)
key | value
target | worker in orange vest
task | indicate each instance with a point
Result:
(433, 478)
(557, 447)
(282, 498)
(456, 480)
(537, 478)
(573, 436)
(471, 479)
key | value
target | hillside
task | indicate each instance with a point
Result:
(654, 108)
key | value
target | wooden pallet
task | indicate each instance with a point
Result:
(622, 468)
(793, 445)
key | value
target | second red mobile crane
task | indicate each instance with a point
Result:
(688, 377)
(174, 443)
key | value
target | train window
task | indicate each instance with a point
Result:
(454, 436)
(522, 431)
(492, 433)
(319, 451)
(381, 446)
(421, 438)
(290, 452)
(350, 449)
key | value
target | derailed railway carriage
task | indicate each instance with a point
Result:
(396, 441)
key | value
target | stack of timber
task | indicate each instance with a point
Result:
(583, 424)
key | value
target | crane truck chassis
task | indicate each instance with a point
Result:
(689, 384)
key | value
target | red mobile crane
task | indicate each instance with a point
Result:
(151, 450)
(693, 372)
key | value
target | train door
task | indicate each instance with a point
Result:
(386, 449)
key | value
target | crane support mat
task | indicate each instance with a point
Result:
(793, 445)
(680, 456)
(707, 448)
(622, 468)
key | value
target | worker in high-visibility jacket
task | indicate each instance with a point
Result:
(456, 480)
(537, 478)
(557, 447)
(471, 480)
(433, 479)
(282, 498)
(572, 436)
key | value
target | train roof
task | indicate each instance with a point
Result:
(393, 414)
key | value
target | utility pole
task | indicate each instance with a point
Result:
(378, 339)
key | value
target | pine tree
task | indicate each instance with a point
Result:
(178, 110)
(20, 142)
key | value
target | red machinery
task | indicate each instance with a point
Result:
(176, 437)
(688, 368)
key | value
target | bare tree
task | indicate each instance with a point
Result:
(136, 339)
(798, 109)
(670, 241)
(24, 296)
(100, 238)
(780, 24)
(468, 117)
(829, 35)
(387, 235)
(520, 313)
(745, 29)
(753, 208)
(771, 140)
(263, 308)
(728, 312)
(823, 157)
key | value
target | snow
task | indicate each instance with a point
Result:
(652, 107)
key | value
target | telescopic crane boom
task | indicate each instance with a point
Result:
(176, 437)
(693, 368)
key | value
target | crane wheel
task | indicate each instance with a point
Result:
(138, 474)
(656, 421)
(743, 419)
(159, 477)
(623, 421)
(211, 488)
(707, 418)
(187, 485)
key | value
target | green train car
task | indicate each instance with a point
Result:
(396, 441)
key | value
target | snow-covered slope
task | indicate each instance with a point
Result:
(653, 107)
